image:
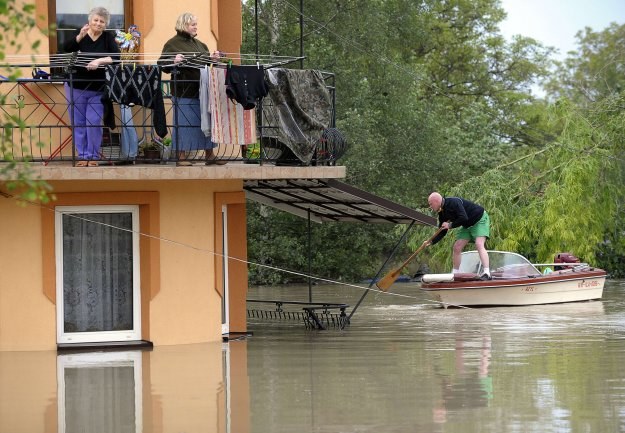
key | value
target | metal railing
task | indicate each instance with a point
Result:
(314, 315)
(37, 127)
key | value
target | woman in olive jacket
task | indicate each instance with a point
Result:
(184, 55)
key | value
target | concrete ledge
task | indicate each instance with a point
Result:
(199, 171)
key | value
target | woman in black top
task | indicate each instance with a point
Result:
(96, 48)
(184, 54)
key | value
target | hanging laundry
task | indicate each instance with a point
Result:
(132, 84)
(246, 84)
(301, 105)
(205, 115)
(230, 123)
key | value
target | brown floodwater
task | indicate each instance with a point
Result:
(403, 365)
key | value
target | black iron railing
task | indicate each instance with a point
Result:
(37, 126)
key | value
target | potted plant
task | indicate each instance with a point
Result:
(150, 152)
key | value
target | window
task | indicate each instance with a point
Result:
(101, 392)
(70, 15)
(98, 284)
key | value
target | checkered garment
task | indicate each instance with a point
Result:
(132, 84)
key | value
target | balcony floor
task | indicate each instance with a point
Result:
(231, 170)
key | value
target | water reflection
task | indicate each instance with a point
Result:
(407, 365)
(100, 392)
(404, 365)
(170, 389)
(466, 386)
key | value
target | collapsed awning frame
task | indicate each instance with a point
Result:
(324, 200)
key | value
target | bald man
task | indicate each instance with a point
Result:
(472, 222)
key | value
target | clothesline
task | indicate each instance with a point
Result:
(194, 59)
(157, 54)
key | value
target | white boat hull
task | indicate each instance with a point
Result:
(541, 290)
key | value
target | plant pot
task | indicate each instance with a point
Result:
(152, 156)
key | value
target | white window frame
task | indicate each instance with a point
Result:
(225, 302)
(101, 336)
(97, 360)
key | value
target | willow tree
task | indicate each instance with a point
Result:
(567, 196)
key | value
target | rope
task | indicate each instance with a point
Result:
(326, 280)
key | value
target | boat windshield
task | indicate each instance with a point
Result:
(502, 264)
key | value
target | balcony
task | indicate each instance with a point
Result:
(44, 134)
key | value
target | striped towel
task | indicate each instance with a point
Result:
(230, 123)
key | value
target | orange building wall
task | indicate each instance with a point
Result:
(179, 302)
(237, 266)
(179, 305)
(158, 27)
(230, 32)
(27, 317)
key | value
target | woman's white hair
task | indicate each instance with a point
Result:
(101, 12)
(184, 20)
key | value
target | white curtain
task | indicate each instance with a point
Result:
(100, 400)
(97, 272)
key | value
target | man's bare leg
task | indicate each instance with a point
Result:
(481, 250)
(458, 247)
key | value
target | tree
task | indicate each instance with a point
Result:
(415, 80)
(567, 196)
(427, 92)
(595, 70)
(16, 174)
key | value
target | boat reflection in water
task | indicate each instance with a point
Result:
(515, 281)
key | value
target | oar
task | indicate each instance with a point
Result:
(388, 280)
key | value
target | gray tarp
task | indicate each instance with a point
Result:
(300, 109)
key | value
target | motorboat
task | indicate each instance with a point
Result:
(515, 281)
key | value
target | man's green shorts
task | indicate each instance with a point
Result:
(480, 228)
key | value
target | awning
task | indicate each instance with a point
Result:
(331, 200)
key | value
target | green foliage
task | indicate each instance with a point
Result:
(611, 254)
(280, 241)
(595, 70)
(565, 197)
(426, 92)
(431, 97)
(17, 175)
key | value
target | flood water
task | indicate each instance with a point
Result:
(403, 365)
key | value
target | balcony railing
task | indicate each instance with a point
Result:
(37, 127)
